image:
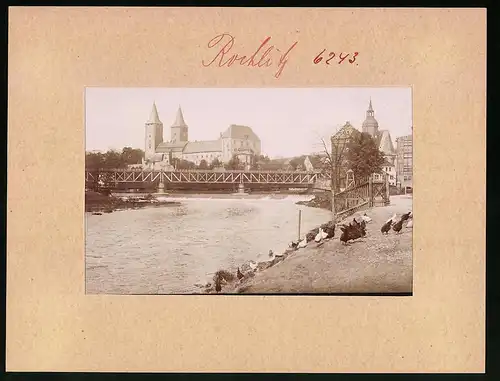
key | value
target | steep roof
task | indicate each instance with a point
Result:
(308, 164)
(168, 147)
(153, 117)
(203, 146)
(370, 108)
(179, 119)
(384, 142)
(370, 122)
(346, 131)
(387, 164)
(235, 131)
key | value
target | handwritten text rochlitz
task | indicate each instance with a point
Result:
(260, 58)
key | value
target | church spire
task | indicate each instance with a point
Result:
(370, 111)
(153, 117)
(179, 119)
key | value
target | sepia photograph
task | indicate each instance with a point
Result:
(285, 191)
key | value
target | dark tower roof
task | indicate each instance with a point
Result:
(179, 119)
(153, 117)
(370, 108)
(370, 123)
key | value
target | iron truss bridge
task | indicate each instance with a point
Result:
(205, 177)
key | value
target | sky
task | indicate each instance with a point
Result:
(289, 121)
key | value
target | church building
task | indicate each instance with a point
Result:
(382, 139)
(236, 140)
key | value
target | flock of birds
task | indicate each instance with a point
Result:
(397, 226)
(350, 232)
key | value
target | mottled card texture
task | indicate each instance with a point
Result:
(55, 53)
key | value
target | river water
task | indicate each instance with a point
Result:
(177, 249)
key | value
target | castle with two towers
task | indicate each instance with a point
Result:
(236, 140)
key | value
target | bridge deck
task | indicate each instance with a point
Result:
(204, 177)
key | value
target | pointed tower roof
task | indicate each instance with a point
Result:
(153, 117)
(370, 125)
(179, 119)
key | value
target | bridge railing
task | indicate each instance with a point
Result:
(203, 171)
(110, 176)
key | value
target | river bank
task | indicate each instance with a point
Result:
(374, 264)
(177, 250)
(98, 203)
(320, 200)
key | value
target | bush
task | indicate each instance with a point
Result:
(224, 275)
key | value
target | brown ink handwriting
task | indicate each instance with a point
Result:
(331, 55)
(263, 56)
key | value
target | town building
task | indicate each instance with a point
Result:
(382, 139)
(236, 140)
(404, 162)
(308, 165)
(390, 170)
(340, 142)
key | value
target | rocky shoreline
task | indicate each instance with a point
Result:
(99, 203)
(328, 266)
(322, 201)
(233, 282)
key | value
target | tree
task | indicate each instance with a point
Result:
(203, 164)
(263, 158)
(132, 156)
(296, 162)
(316, 160)
(364, 157)
(183, 164)
(215, 163)
(113, 159)
(94, 160)
(234, 163)
(330, 165)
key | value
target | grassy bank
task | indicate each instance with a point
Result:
(96, 202)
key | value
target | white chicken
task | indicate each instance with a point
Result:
(366, 218)
(324, 234)
(393, 218)
(302, 243)
(319, 236)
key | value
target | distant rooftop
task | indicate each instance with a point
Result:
(203, 146)
(235, 131)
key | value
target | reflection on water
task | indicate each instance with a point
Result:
(172, 249)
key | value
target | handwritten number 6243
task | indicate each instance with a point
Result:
(332, 55)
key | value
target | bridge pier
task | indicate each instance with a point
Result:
(241, 188)
(161, 186)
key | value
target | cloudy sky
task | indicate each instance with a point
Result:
(289, 121)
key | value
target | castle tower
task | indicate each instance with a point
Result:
(179, 130)
(370, 125)
(154, 133)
